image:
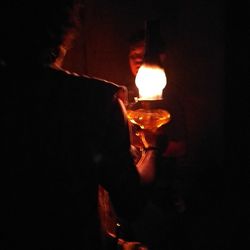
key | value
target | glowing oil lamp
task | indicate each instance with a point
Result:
(146, 112)
(150, 80)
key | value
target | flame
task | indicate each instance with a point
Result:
(150, 80)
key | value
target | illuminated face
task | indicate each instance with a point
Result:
(136, 55)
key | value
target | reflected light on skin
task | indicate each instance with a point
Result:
(67, 44)
(136, 55)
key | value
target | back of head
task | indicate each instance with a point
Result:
(33, 30)
(136, 38)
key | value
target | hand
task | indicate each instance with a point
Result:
(153, 139)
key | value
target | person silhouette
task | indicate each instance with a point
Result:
(159, 224)
(62, 135)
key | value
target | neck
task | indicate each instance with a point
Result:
(57, 64)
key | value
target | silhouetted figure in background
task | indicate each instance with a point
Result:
(160, 225)
(62, 135)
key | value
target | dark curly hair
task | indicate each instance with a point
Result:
(32, 31)
(140, 35)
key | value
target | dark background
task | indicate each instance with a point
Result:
(196, 34)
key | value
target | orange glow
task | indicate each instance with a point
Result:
(149, 119)
(150, 80)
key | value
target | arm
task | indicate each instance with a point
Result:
(119, 175)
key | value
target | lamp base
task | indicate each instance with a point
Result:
(149, 119)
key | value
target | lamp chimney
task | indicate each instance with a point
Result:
(151, 78)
